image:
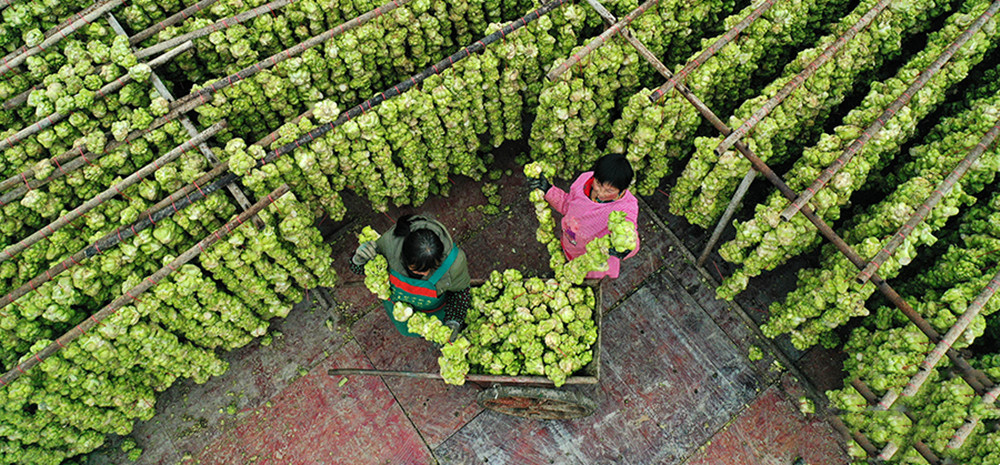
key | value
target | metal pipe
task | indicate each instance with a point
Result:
(731, 34)
(891, 110)
(923, 210)
(801, 78)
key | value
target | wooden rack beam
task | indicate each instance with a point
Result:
(731, 34)
(143, 286)
(925, 209)
(891, 110)
(801, 78)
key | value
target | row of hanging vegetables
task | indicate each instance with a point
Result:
(83, 114)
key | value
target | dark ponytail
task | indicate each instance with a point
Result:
(422, 248)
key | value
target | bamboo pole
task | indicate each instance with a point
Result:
(103, 92)
(8, 65)
(963, 432)
(923, 210)
(116, 189)
(217, 26)
(659, 66)
(975, 378)
(891, 110)
(119, 234)
(295, 50)
(731, 34)
(18, 99)
(143, 286)
(182, 15)
(973, 310)
(599, 40)
(776, 351)
(801, 78)
(76, 157)
(54, 30)
(890, 449)
(161, 89)
(626, 33)
(741, 191)
(197, 192)
(274, 135)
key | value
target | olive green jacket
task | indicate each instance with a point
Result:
(455, 279)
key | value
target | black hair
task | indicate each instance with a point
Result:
(615, 169)
(422, 248)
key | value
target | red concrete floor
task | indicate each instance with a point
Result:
(676, 386)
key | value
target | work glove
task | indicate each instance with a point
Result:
(365, 252)
(620, 255)
(539, 183)
(456, 329)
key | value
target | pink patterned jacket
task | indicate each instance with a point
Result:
(584, 220)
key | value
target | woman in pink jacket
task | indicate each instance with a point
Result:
(585, 208)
